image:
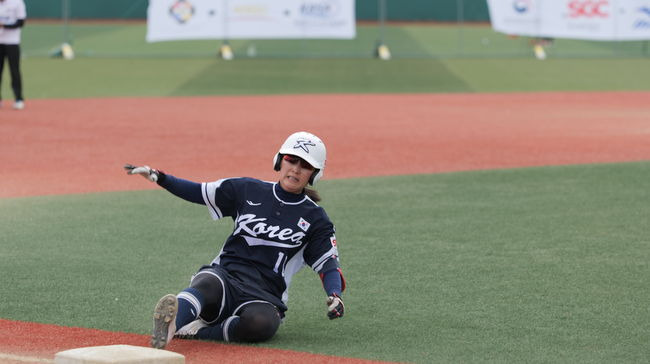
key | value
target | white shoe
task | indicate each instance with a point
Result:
(190, 330)
(164, 321)
(19, 105)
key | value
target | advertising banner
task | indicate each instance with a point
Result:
(575, 19)
(250, 19)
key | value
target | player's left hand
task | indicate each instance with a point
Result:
(335, 307)
(145, 171)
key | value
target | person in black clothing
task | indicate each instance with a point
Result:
(12, 19)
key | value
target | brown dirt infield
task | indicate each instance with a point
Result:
(32, 340)
(79, 146)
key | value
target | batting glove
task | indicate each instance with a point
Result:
(145, 171)
(335, 306)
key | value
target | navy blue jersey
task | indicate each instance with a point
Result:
(275, 233)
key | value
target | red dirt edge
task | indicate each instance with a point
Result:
(44, 341)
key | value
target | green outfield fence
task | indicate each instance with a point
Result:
(409, 28)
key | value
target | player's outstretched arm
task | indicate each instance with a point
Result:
(145, 171)
(187, 190)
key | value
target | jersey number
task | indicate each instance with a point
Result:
(280, 263)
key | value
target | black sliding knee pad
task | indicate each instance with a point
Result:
(211, 288)
(257, 322)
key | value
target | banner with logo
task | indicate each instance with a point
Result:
(576, 19)
(249, 19)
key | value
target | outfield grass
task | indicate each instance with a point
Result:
(417, 40)
(126, 77)
(528, 265)
(113, 60)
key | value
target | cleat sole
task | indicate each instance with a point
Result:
(163, 319)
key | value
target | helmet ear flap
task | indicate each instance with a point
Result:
(318, 173)
(277, 161)
(315, 176)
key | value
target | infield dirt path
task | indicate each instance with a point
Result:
(79, 146)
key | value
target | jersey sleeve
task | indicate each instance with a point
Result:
(187, 190)
(321, 253)
(220, 197)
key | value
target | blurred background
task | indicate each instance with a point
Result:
(410, 29)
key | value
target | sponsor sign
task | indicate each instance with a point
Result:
(576, 19)
(250, 19)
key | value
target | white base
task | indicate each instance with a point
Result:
(122, 354)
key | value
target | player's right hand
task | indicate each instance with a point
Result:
(145, 171)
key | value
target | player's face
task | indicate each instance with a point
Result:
(294, 173)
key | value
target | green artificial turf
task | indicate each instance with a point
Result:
(528, 265)
(127, 77)
(405, 40)
(113, 60)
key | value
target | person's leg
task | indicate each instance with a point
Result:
(179, 313)
(205, 297)
(13, 55)
(256, 321)
(3, 54)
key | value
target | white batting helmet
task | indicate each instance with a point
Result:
(306, 146)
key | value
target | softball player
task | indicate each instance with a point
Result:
(12, 18)
(278, 229)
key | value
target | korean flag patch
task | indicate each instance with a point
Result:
(303, 224)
